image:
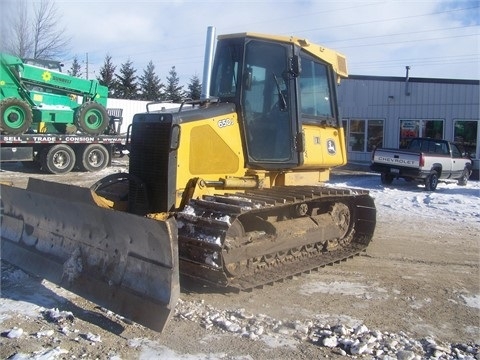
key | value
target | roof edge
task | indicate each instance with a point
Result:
(414, 79)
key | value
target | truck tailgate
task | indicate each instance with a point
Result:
(396, 158)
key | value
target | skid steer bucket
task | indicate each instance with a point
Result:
(123, 262)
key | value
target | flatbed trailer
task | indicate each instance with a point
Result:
(60, 153)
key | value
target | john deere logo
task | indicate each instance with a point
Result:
(331, 148)
(47, 76)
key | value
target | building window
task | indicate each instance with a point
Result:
(432, 129)
(357, 135)
(419, 128)
(374, 134)
(465, 134)
(365, 135)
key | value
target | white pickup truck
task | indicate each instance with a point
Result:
(427, 160)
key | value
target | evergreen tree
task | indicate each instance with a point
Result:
(194, 88)
(127, 87)
(76, 69)
(150, 84)
(173, 91)
(107, 75)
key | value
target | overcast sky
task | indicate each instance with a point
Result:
(436, 38)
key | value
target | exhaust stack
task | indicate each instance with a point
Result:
(208, 63)
(407, 79)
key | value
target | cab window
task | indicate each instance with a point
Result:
(315, 99)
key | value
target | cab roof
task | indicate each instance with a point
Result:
(336, 59)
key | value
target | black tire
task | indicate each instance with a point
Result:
(57, 159)
(93, 157)
(92, 118)
(16, 116)
(464, 179)
(386, 179)
(431, 181)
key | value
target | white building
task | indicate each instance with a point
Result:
(387, 111)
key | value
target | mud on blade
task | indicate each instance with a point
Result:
(123, 262)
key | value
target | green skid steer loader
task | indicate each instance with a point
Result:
(44, 100)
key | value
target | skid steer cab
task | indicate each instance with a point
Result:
(228, 190)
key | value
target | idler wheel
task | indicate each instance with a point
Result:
(234, 237)
(341, 217)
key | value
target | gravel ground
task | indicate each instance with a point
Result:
(414, 294)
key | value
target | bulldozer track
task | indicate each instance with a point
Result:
(247, 240)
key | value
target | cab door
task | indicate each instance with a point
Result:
(267, 105)
(318, 114)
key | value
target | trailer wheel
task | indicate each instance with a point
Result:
(431, 181)
(15, 116)
(93, 157)
(92, 118)
(57, 159)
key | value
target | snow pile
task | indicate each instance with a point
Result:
(45, 354)
(14, 333)
(58, 317)
(342, 339)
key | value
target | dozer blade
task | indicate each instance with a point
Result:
(123, 262)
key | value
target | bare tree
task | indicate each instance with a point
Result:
(49, 41)
(15, 29)
(32, 30)
(15, 33)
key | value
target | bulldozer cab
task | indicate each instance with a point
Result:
(278, 88)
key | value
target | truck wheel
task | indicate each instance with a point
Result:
(386, 179)
(15, 116)
(92, 118)
(431, 181)
(464, 179)
(57, 159)
(93, 157)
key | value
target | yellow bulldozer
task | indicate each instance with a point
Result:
(228, 190)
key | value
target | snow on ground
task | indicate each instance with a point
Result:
(400, 199)
(448, 201)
